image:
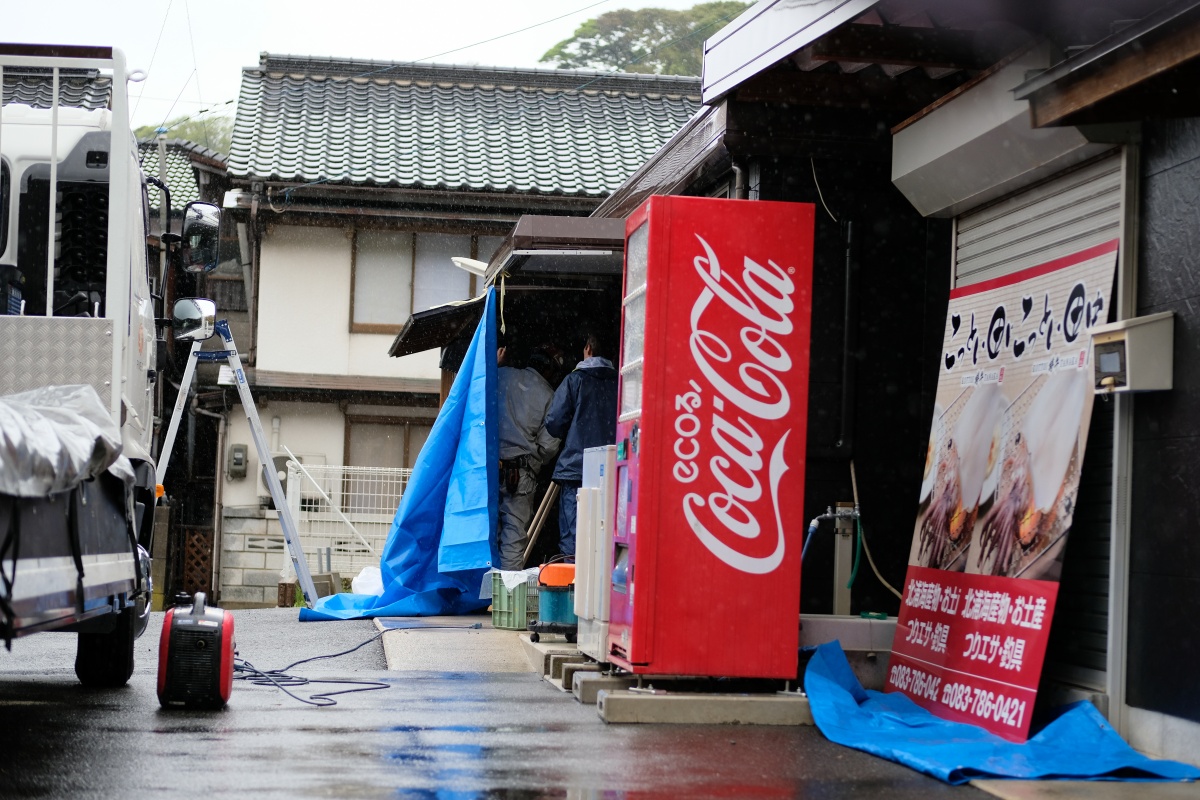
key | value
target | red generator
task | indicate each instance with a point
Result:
(711, 435)
(195, 656)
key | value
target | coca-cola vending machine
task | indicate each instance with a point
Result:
(710, 438)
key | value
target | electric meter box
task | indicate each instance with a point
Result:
(235, 466)
(1134, 355)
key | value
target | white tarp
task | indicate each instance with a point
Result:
(55, 437)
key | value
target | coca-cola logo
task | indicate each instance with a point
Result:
(745, 387)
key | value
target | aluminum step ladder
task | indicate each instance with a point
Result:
(230, 356)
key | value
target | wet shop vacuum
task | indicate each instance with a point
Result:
(195, 656)
(556, 602)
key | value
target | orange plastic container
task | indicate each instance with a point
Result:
(557, 575)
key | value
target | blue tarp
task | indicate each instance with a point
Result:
(441, 543)
(1078, 745)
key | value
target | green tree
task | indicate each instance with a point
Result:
(213, 131)
(649, 40)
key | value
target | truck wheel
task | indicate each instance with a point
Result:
(105, 660)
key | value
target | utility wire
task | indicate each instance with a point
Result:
(360, 75)
(493, 39)
(212, 109)
(195, 66)
(181, 91)
(196, 69)
(153, 54)
(188, 102)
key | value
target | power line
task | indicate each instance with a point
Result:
(155, 53)
(196, 68)
(212, 109)
(167, 99)
(513, 33)
(181, 90)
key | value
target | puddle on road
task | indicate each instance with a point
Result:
(491, 794)
(549, 728)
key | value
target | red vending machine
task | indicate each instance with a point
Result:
(711, 438)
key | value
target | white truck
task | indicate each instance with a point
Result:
(78, 361)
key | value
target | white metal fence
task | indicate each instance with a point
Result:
(343, 514)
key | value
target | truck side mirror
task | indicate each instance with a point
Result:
(194, 319)
(201, 235)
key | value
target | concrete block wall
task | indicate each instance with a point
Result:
(253, 555)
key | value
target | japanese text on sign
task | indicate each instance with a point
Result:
(1006, 336)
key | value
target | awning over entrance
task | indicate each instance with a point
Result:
(766, 34)
(554, 253)
(563, 246)
(1139, 71)
(436, 327)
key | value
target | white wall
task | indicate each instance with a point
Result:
(304, 311)
(307, 429)
(365, 348)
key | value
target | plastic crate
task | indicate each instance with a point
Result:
(513, 609)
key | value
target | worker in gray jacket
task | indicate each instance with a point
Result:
(583, 414)
(525, 395)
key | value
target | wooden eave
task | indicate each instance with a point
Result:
(260, 380)
(897, 45)
(869, 89)
(1152, 73)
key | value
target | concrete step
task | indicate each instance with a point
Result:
(702, 708)
(566, 676)
(586, 686)
(539, 653)
(559, 660)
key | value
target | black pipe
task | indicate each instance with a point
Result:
(162, 187)
(844, 445)
(845, 441)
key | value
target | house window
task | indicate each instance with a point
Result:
(383, 281)
(379, 442)
(437, 280)
(385, 441)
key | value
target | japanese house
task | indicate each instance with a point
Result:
(354, 184)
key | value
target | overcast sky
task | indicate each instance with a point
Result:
(196, 63)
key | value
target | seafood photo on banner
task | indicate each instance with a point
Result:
(1040, 465)
(962, 456)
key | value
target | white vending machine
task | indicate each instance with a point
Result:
(593, 550)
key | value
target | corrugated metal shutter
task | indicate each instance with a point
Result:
(1077, 653)
(1063, 215)
(1057, 217)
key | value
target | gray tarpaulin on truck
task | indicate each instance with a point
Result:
(54, 437)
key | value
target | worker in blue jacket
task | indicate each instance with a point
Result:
(583, 414)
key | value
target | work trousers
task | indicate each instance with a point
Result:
(568, 500)
(516, 509)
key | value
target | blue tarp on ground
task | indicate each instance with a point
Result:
(1078, 745)
(441, 544)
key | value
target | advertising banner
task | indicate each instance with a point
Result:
(1002, 468)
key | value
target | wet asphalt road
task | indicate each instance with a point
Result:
(429, 735)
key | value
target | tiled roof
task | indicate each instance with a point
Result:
(181, 172)
(431, 126)
(76, 88)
